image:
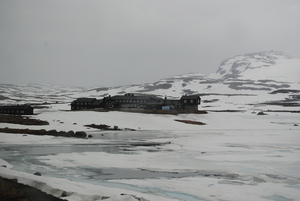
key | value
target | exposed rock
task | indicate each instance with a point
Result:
(70, 133)
(21, 120)
(80, 134)
(129, 129)
(261, 113)
(52, 132)
(62, 134)
(190, 122)
(38, 174)
(102, 127)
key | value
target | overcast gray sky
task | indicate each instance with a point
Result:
(120, 42)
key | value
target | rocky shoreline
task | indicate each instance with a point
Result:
(41, 132)
(23, 120)
(11, 190)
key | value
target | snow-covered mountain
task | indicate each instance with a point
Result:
(262, 74)
(36, 93)
(235, 151)
(262, 71)
(261, 66)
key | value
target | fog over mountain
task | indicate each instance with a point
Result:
(261, 71)
(252, 73)
(112, 43)
(245, 143)
(275, 64)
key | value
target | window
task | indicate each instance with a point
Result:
(192, 101)
(184, 101)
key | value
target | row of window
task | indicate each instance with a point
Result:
(191, 101)
(12, 111)
(130, 101)
(76, 103)
(133, 105)
(79, 108)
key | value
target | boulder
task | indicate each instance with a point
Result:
(52, 132)
(38, 174)
(62, 134)
(70, 133)
(80, 134)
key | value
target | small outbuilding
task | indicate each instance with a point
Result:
(16, 109)
(190, 102)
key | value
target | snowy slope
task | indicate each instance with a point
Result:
(235, 156)
(266, 65)
(262, 71)
(250, 78)
(36, 93)
(254, 78)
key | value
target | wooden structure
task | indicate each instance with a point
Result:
(132, 101)
(190, 102)
(17, 110)
(85, 103)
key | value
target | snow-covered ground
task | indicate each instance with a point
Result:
(236, 156)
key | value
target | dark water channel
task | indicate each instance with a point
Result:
(25, 158)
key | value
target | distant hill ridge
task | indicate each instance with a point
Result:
(260, 65)
(253, 73)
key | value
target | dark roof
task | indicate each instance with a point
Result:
(172, 101)
(119, 97)
(85, 100)
(190, 97)
(97, 102)
(154, 103)
(15, 107)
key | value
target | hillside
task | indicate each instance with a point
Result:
(230, 152)
(239, 81)
(255, 78)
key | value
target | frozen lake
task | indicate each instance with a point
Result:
(235, 157)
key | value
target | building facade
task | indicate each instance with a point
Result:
(132, 101)
(17, 110)
(136, 102)
(85, 104)
(190, 102)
